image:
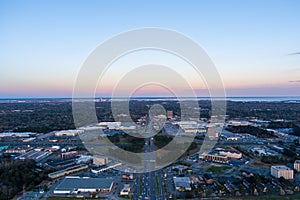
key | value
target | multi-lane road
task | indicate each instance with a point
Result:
(150, 184)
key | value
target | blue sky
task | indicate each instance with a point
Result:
(252, 43)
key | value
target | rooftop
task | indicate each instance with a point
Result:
(281, 167)
(75, 182)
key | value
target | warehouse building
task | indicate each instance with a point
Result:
(75, 185)
(67, 171)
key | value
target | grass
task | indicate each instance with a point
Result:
(157, 188)
(140, 192)
(218, 169)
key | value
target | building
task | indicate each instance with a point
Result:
(169, 114)
(191, 127)
(37, 156)
(261, 151)
(28, 139)
(104, 168)
(282, 171)
(182, 183)
(239, 123)
(67, 171)
(214, 157)
(125, 190)
(297, 165)
(100, 160)
(127, 177)
(75, 185)
(68, 133)
(84, 159)
(15, 134)
(231, 154)
(109, 125)
(70, 154)
(277, 148)
(17, 150)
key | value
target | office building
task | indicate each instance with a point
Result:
(282, 171)
(297, 165)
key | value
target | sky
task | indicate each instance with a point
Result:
(255, 45)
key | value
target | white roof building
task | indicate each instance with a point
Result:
(74, 185)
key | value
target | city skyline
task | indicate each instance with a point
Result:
(254, 45)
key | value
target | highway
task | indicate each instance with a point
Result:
(152, 181)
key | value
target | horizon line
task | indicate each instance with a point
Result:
(152, 97)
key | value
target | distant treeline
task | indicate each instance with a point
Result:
(49, 116)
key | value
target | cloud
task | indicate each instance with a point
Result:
(295, 53)
(294, 81)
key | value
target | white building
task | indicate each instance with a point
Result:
(239, 123)
(297, 165)
(75, 185)
(100, 160)
(83, 159)
(231, 154)
(125, 190)
(69, 133)
(191, 127)
(110, 125)
(282, 171)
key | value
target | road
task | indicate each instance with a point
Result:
(151, 182)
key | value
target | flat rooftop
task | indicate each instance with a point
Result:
(70, 183)
(281, 167)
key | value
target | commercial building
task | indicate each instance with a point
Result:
(70, 154)
(214, 157)
(231, 154)
(127, 177)
(282, 171)
(69, 133)
(125, 190)
(297, 165)
(84, 159)
(15, 134)
(34, 155)
(75, 185)
(100, 160)
(109, 125)
(239, 123)
(105, 168)
(191, 127)
(17, 150)
(67, 171)
(182, 183)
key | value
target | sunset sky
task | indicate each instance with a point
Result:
(255, 45)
